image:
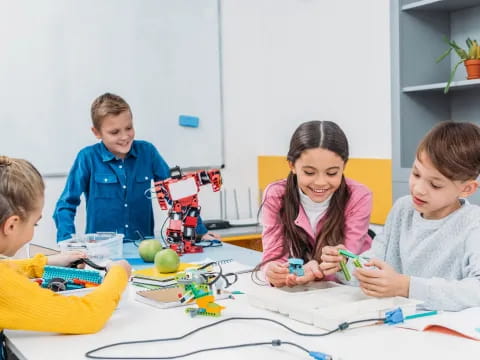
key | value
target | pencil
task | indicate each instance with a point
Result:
(428, 313)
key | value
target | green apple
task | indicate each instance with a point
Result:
(167, 261)
(148, 249)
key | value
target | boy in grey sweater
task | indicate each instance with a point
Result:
(430, 247)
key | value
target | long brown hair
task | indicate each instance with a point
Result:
(309, 135)
(21, 186)
(454, 149)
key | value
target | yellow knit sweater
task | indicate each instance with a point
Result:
(26, 306)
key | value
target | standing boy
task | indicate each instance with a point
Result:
(114, 175)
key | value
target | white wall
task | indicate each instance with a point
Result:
(285, 62)
(289, 61)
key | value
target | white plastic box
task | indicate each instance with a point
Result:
(326, 304)
(100, 247)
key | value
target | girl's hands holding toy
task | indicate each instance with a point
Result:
(331, 259)
(383, 281)
(66, 259)
(277, 273)
(122, 263)
(311, 272)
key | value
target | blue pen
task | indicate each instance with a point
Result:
(428, 313)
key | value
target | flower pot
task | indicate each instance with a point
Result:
(473, 69)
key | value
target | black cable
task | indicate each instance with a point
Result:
(227, 347)
(228, 282)
(161, 229)
(340, 327)
(134, 242)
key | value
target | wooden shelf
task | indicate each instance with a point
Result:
(455, 85)
(440, 5)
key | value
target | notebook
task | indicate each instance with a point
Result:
(162, 298)
(165, 298)
(153, 273)
(464, 323)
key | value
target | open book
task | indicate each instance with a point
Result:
(464, 323)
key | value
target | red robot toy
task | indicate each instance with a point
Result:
(181, 190)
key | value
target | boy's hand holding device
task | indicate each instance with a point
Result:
(382, 281)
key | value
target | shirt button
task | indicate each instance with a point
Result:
(126, 225)
(120, 166)
(125, 205)
(124, 186)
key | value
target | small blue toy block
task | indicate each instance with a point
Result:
(295, 266)
(68, 274)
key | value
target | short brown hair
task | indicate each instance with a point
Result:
(454, 149)
(107, 104)
(21, 186)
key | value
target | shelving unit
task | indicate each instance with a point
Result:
(418, 101)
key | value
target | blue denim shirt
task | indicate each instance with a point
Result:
(114, 190)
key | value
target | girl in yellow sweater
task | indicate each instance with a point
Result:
(23, 304)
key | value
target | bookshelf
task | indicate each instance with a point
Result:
(418, 101)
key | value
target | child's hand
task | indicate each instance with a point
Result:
(311, 272)
(122, 263)
(211, 236)
(383, 281)
(331, 259)
(277, 273)
(66, 259)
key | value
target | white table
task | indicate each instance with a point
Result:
(135, 321)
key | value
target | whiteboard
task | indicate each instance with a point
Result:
(161, 56)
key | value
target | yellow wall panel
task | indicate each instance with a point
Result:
(376, 174)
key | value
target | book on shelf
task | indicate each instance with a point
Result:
(465, 323)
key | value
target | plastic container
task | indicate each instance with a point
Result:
(100, 247)
(326, 304)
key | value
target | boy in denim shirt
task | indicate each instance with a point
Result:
(114, 175)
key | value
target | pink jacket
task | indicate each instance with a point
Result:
(357, 219)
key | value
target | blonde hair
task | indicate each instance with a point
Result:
(107, 104)
(21, 186)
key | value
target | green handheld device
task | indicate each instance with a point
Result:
(345, 271)
(347, 253)
(356, 262)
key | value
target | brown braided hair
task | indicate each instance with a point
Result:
(309, 135)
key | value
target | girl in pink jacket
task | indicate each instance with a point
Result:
(314, 207)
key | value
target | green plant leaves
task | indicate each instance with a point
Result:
(473, 53)
(452, 74)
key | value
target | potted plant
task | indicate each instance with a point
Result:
(470, 57)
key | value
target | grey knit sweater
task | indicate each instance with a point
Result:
(442, 257)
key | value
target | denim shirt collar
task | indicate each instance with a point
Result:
(108, 156)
